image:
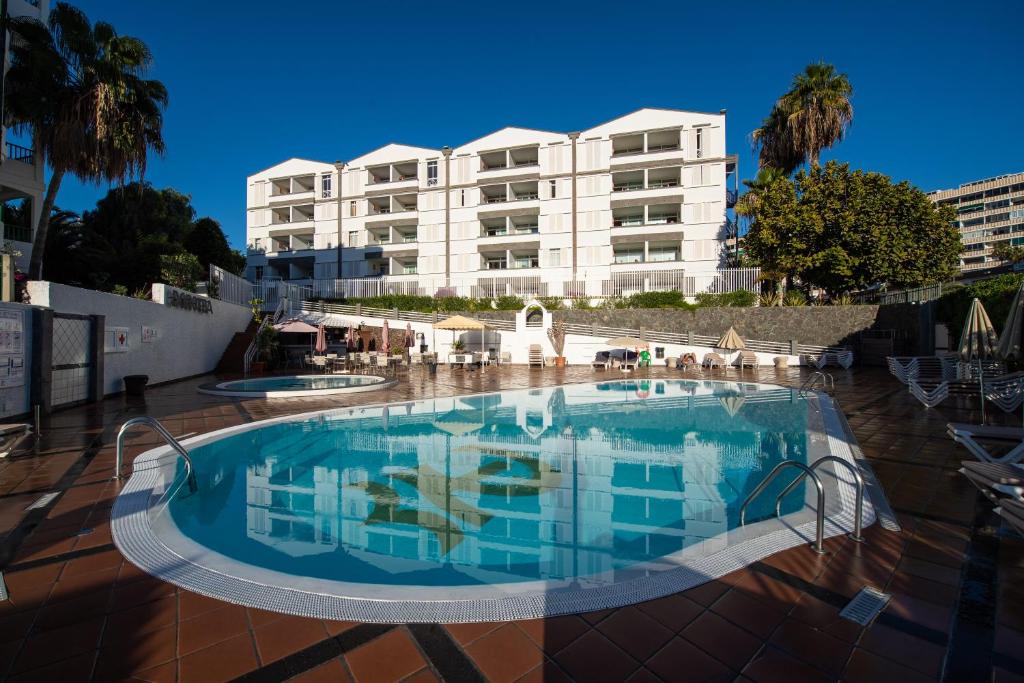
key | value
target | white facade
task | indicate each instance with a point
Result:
(517, 211)
(21, 168)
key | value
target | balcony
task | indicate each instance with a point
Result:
(493, 194)
(15, 152)
(289, 215)
(379, 206)
(406, 171)
(518, 158)
(654, 142)
(628, 181)
(522, 192)
(289, 187)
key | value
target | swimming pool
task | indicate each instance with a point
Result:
(517, 504)
(297, 385)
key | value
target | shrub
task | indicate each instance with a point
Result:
(996, 295)
(794, 298)
(181, 270)
(842, 300)
(738, 298)
(552, 303)
(658, 300)
(509, 303)
(770, 299)
(582, 305)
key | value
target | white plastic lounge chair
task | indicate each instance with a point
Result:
(1013, 512)
(969, 436)
(536, 356)
(602, 361)
(995, 480)
(748, 359)
(713, 360)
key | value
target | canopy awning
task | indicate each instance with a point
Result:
(459, 323)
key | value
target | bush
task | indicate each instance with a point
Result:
(738, 298)
(794, 298)
(658, 300)
(996, 295)
(552, 303)
(509, 303)
(582, 305)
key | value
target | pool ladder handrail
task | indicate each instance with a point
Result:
(155, 425)
(808, 471)
(827, 382)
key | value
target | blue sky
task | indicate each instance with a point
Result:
(938, 86)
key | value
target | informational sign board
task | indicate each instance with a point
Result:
(12, 349)
(148, 335)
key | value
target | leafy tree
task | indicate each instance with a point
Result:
(844, 230)
(207, 241)
(1004, 251)
(813, 115)
(180, 270)
(80, 90)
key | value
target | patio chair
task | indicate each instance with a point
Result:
(602, 361)
(536, 356)
(505, 357)
(969, 436)
(748, 359)
(416, 359)
(713, 360)
(688, 361)
(1013, 512)
(320, 363)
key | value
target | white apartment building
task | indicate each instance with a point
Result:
(989, 212)
(636, 203)
(21, 168)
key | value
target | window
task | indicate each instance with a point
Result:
(554, 259)
(496, 263)
(353, 238)
(408, 268)
(554, 189)
(462, 197)
(432, 172)
(630, 255)
(657, 254)
(351, 208)
(325, 186)
(257, 272)
(700, 143)
(257, 243)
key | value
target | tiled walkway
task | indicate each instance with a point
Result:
(78, 611)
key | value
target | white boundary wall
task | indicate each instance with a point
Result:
(188, 342)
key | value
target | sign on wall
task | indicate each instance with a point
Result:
(12, 349)
(115, 340)
(188, 301)
(148, 335)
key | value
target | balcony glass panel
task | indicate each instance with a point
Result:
(497, 263)
(635, 255)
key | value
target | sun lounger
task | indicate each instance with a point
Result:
(995, 480)
(713, 360)
(1013, 512)
(602, 361)
(970, 435)
(536, 356)
(748, 359)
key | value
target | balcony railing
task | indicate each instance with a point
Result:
(658, 184)
(628, 222)
(663, 148)
(627, 187)
(527, 196)
(19, 153)
(495, 200)
(17, 233)
(663, 220)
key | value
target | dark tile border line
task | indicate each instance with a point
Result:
(969, 656)
(839, 601)
(61, 557)
(445, 655)
(315, 655)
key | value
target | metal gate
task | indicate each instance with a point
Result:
(73, 359)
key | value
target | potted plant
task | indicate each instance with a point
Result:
(458, 346)
(557, 336)
(266, 349)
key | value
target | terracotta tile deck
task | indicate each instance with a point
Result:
(79, 611)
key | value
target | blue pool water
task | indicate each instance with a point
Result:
(556, 483)
(301, 383)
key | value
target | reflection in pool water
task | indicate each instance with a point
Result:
(571, 483)
(301, 383)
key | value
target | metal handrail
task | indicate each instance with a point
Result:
(155, 425)
(250, 351)
(827, 382)
(819, 538)
(858, 478)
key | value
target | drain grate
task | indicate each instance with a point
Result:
(865, 605)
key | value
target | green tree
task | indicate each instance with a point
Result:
(207, 241)
(1004, 251)
(844, 230)
(80, 90)
(180, 270)
(811, 116)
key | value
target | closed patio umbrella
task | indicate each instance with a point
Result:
(321, 340)
(385, 345)
(409, 339)
(730, 341)
(1012, 338)
(979, 340)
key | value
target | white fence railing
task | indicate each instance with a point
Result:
(230, 287)
(621, 283)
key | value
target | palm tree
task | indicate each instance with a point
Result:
(813, 115)
(80, 90)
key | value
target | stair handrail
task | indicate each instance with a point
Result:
(154, 424)
(827, 381)
(858, 478)
(819, 537)
(253, 348)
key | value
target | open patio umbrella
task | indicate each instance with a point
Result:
(979, 340)
(1012, 338)
(321, 339)
(626, 343)
(296, 326)
(459, 323)
(385, 344)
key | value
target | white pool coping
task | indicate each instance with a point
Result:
(223, 388)
(209, 573)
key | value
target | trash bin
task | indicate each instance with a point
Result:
(135, 385)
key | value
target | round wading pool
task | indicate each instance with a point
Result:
(297, 385)
(517, 504)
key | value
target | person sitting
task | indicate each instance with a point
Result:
(645, 358)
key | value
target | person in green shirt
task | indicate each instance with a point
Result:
(645, 358)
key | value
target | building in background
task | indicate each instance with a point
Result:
(21, 168)
(634, 204)
(989, 212)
